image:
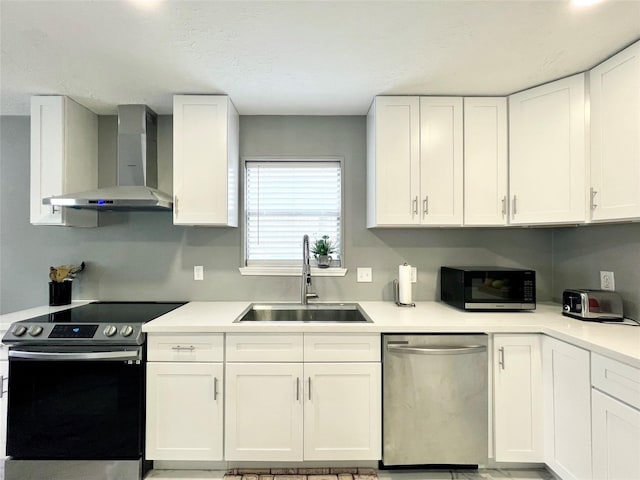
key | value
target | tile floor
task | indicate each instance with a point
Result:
(482, 474)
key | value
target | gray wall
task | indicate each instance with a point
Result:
(142, 256)
(579, 254)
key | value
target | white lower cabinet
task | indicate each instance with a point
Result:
(185, 394)
(285, 409)
(264, 415)
(342, 411)
(184, 411)
(616, 439)
(518, 398)
(4, 387)
(567, 409)
(615, 411)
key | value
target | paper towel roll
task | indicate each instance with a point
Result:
(404, 284)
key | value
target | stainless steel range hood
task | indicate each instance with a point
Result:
(137, 180)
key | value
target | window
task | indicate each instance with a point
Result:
(286, 199)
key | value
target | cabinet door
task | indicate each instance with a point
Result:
(567, 409)
(342, 411)
(4, 386)
(616, 438)
(205, 160)
(64, 159)
(441, 164)
(518, 398)
(485, 161)
(184, 411)
(264, 403)
(547, 169)
(615, 137)
(393, 161)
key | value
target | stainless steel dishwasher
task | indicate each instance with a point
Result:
(435, 400)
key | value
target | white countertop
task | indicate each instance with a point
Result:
(621, 342)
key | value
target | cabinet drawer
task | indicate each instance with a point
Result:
(186, 348)
(332, 347)
(616, 379)
(264, 347)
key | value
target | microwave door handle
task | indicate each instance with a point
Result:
(64, 356)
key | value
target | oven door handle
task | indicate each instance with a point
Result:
(62, 356)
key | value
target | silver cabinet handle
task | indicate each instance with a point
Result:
(501, 357)
(297, 389)
(415, 205)
(175, 205)
(437, 349)
(2, 383)
(593, 194)
(425, 206)
(309, 388)
(54, 209)
(504, 205)
(178, 348)
(215, 388)
(513, 206)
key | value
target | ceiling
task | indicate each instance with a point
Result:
(297, 57)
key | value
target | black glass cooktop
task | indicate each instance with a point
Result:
(109, 312)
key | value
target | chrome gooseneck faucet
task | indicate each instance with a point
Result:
(305, 283)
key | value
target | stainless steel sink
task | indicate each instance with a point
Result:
(284, 312)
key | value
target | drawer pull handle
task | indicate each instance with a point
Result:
(190, 348)
(3, 379)
(501, 357)
(215, 388)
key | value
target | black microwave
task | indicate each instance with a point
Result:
(488, 288)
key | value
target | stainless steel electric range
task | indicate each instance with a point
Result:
(76, 406)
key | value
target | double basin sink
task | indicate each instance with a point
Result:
(317, 312)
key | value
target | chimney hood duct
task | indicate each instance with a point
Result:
(137, 181)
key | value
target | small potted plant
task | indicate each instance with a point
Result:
(322, 248)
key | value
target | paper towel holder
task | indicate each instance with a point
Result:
(396, 295)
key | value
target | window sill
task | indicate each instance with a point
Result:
(292, 271)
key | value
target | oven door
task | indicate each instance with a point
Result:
(75, 403)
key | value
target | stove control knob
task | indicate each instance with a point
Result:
(35, 330)
(19, 330)
(109, 331)
(126, 331)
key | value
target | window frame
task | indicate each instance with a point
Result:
(290, 270)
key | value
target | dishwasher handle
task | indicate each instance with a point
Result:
(437, 349)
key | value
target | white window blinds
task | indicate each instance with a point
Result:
(285, 200)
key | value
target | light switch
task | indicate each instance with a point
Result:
(365, 275)
(198, 272)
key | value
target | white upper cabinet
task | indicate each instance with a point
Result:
(547, 176)
(205, 160)
(414, 161)
(393, 161)
(441, 163)
(64, 159)
(485, 161)
(615, 137)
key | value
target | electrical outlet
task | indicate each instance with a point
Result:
(414, 275)
(365, 275)
(607, 281)
(198, 272)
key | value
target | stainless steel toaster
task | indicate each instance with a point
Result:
(586, 304)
